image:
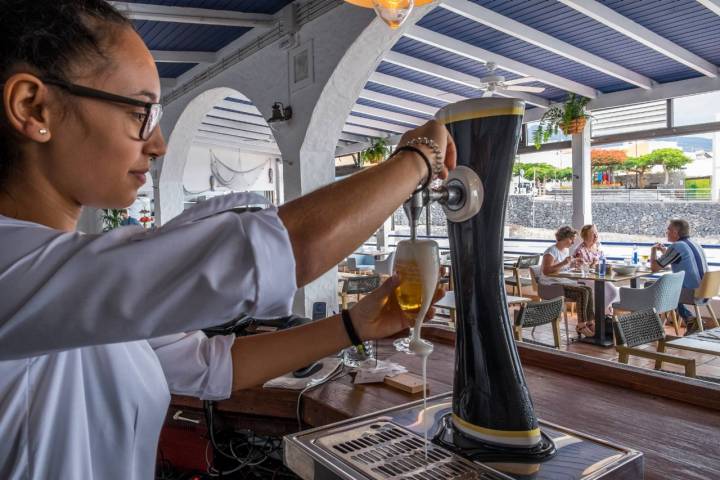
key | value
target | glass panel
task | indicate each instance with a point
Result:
(703, 108)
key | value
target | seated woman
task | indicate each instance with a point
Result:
(588, 252)
(557, 258)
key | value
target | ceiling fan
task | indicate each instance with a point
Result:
(492, 83)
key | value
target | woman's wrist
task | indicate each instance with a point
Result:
(418, 163)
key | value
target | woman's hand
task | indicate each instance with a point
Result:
(378, 314)
(437, 132)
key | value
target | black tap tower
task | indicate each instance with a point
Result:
(492, 413)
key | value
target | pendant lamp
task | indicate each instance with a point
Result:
(392, 12)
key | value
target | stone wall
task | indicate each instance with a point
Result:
(639, 218)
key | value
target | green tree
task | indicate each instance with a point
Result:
(669, 159)
(639, 166)
(564, 174)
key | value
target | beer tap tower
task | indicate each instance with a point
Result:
(487, 428)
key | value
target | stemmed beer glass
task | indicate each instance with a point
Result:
(417, 264)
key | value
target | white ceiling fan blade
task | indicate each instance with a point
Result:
(518, 81)
(521, 88)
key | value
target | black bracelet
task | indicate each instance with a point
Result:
(350, 330)
(410, 148)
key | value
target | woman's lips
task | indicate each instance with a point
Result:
(139, 176)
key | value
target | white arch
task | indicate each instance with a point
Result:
(170, 184)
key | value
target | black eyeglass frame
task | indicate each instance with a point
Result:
(153, 111)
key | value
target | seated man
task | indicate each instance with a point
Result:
(684, 255)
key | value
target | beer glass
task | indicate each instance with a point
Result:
(417, 264)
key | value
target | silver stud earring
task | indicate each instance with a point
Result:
(43, 131)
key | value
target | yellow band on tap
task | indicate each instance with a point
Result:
(493, 112)
(535, 432)
(480, 108)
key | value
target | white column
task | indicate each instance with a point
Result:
(714, 177)
(582, 178)
(381, 235)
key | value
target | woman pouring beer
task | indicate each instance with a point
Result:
(91, 345)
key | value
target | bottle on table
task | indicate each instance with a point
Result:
(602, 265)
(635, 257)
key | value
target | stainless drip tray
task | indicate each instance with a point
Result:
(382, 450)
(390, 445)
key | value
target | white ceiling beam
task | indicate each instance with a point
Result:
(210, 143)
(379, 124)
(388, 115)
(202, 16)
(535, 37)
(236, 142)
(239, 107)
(712, 5)
(368, 132)
(239, 117)
(238, 125)
(398, 102)
(234, 134)
(610, 18)
(450, 75)
(481, 55)
(213, 126)
(342, 150)
(663, 91)
(350, 137)
(171, 56)
(413, 87)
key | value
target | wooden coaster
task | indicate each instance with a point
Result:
(407, 382)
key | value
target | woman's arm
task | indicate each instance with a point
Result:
(549, 266)
(259, 358)
(330, 223)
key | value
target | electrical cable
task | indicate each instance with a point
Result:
(330, 377)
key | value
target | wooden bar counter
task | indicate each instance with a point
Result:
(674, 421)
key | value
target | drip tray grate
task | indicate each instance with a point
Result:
(383, 450)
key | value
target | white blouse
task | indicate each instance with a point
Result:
(83, 394)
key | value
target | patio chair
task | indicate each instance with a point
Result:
(534, 314)
(359, 285)
(641, 328)
(709, 288)
(356, 265)
(385, 267)
(516, 280)
(550, 292)
(662, 296)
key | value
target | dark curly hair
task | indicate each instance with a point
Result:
(48, 38)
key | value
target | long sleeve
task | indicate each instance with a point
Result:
(196, 365)
(65, 290)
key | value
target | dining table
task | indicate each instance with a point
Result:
(603, 333)
(448, 301)
(706, 342)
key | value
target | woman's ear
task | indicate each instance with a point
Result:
(25, 100)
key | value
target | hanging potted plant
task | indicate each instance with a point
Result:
(569, 118)
(111, 219)
(375, 153)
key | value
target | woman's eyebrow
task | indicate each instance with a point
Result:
(147, 93)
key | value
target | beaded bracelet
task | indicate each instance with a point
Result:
(410, 148)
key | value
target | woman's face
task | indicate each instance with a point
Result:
(96, 157)
(591, 236)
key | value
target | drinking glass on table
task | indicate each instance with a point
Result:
(417, 264)
(584, 268)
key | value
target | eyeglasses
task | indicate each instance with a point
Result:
(153, 111)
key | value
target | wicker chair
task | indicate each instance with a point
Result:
(662, 295)
(359, 285)
(516, 281)
(550, 292)
(709, 287)
(534, 314)
(643, 327)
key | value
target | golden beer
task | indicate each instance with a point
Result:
(409, 292)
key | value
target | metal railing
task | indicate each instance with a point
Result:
(637, 194)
